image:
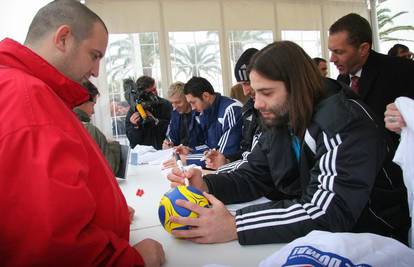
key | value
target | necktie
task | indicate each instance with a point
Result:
(355, 84)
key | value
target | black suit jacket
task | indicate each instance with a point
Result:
(383, 79)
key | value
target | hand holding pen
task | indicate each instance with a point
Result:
(183, 150)
(180, 166)
(167, 143)
(210, 153)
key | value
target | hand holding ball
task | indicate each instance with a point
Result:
(168, 207)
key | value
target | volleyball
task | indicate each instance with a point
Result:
(168, 207)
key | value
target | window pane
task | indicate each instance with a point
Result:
(241, 40)
(196, 54)
(129, 55)
(310, 41)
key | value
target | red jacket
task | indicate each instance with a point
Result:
(59, 202)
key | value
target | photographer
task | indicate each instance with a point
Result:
(147, 120)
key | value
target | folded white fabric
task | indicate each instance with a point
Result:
(320, 248)
(404, 156)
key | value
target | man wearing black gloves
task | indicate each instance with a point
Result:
(147, 120)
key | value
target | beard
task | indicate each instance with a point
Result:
(280, 118)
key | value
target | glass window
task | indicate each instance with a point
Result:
(196, 54)
(239, 41)
(310, 41)
(129, 56)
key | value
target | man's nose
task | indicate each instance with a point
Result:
(258, 102)
(333, 58)
(95, 69)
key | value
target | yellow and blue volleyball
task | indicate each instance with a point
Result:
(168, 207)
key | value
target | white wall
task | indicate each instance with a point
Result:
(15, 17)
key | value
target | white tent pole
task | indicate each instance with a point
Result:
(374, 25)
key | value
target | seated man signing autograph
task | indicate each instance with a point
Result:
(348, 184)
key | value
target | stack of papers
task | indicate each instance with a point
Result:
(149, 155)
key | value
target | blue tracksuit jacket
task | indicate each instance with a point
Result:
(221, 125)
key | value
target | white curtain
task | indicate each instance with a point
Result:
(163, 16)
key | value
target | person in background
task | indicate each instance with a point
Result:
(236, 92)
(84, 111)
(252, 127)
(343, 164)
(59, 200)
(152, 133)
(322, 66)
(220, 120)
(376, 78)
(400, 50)
(184, 128)
(122, 108)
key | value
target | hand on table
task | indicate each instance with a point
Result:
(151, 251)
(131, 212)
(183, 150)
(215, 159)
(177, 177)
(172, 163)
(166, 144)
(214, 224)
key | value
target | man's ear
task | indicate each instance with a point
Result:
(205, 96)
(364, 49)
(61, 37)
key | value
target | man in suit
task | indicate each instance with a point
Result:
(378, 79)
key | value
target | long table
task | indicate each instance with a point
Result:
(179, 252)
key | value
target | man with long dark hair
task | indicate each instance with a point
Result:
(347, 182)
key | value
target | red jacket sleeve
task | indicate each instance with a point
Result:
(54, 210)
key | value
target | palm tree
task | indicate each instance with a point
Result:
(120, 64)
(123, 62)
(386, 20)
(194, 59)
(239, 38)
(148, 54)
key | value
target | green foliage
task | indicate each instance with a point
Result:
(386, 24)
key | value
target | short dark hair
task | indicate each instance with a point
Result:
(358, 29)
(397, 48)
(92, 90)
(318, 60)
(144, 82)
(63, 12)
(287, 62)
(196, 86)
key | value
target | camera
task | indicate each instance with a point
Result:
(140, 101)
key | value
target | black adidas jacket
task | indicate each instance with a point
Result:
(348, 181)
